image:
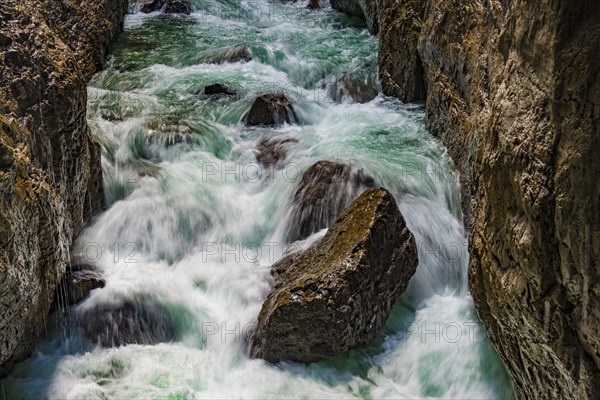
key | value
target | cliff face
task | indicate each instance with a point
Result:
(50, 178)
(513, 91)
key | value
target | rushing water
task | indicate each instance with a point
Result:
(193, 224)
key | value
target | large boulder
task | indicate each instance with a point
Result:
(324, 190)
(270, 109)
(337, 295)
(132, 322)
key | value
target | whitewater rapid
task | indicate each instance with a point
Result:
(194, 222)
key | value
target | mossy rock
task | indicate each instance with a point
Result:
(338, 294)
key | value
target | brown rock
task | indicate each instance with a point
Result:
(324, 191)
(337, 295)
(400, 67)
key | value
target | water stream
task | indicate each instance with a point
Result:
(194, 223)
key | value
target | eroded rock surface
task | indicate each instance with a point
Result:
(324, 191)
(51, 180)
(337, 295)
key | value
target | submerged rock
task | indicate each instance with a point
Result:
(78, 283)
(129, 323)
(325, 189)
(230, 55)
(270, 109)
(272, 152)
(218, 88)
(337, 295)
(178, 7)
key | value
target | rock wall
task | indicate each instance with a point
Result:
(513, 91)
(50, 177)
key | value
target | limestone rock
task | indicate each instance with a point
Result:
(337, 295)
(513, 91)
(400, 67)
(270, 109)
(324, 191)
(48, 51)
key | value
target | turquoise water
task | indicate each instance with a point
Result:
(194, 223)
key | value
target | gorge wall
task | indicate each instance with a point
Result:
(513, 90)
(50, 177)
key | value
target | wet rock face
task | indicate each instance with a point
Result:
(400, 67)
(129, 323)
(324, 191)
(271, 109)
(337, 295)
(513, 92)
(53, 183)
